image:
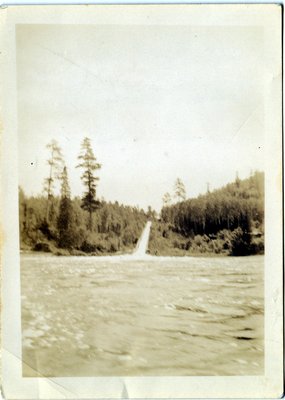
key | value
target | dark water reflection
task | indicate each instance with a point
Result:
(183, 316)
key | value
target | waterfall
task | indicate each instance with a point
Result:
(142, 244)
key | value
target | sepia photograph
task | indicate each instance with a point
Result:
(142, 157)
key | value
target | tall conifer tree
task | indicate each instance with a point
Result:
(55, 163)
(166, 200)
(179, 188)
(64, 221)
(89, 164)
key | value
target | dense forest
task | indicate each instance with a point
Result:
(65, 225)
(229, 220)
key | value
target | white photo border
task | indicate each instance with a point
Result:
(271, 384)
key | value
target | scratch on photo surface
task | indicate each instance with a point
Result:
(244, 123)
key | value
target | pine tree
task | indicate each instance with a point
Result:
(166, 200)
(64, 221)
(55, 163)
(237, 181)
(89, 165)
(179, 189)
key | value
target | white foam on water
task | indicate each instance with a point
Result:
(140, 252)
(142, 244)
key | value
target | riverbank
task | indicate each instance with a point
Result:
(164, 253)
(64, 253)
(48, 248)
(165, 241)
(159, 239)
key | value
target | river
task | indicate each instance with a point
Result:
(91, 316)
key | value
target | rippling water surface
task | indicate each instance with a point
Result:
(84, 316)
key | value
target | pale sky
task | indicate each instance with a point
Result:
(158, 102)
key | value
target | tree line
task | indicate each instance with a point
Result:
(63, 224)
(231, 217)
(239, 204)
(228, 220)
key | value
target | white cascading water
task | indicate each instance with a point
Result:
(142, 244)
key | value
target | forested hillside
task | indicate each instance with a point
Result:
(228, 220)
(114, 227)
